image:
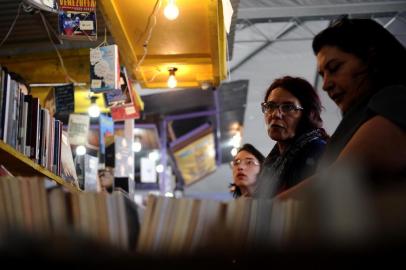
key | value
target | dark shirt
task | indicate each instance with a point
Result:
(281, 172)
(390, 103)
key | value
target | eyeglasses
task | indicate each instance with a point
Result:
(248, 162)
(270, 107)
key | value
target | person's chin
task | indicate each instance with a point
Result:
(276, 136)
(343, 107)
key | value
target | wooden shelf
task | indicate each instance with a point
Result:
(20, 165)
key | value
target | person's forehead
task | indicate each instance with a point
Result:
(280, 94)
(244, 154)
(328, 53)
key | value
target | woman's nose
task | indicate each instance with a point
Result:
(327, 83)
(276, 113)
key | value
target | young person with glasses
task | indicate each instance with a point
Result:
(245, 167)
(361, 63)
(291, 110)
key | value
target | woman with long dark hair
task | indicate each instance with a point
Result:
(360, 63)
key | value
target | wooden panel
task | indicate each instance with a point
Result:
(46, 67)
(194, 42)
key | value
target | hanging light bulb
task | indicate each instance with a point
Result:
(137, 146)
(172, 82)
(159, 168)
(93, 110)
(80, 150)
(154, 156)
(171, 10)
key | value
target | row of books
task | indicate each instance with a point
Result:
(185, 226)
(27, 206)
(341, 219)
(28, 127)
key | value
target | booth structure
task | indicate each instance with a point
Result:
(192, 46)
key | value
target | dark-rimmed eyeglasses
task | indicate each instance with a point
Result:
(248, 162)
(269, 107)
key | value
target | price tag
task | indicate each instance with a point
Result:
(86, 25)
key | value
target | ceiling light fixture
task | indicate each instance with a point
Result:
(93, 110)
(80, 150)
(172, 82)
(137, 146)
(171, 10)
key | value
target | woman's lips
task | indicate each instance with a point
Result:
(276, 126)
(337, 97)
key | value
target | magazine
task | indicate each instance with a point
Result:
(77, 20)
(130, 109)
(104, 69)
(78, 129)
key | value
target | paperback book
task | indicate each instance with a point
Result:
(130, 108)
(104, 69)
(77, 20)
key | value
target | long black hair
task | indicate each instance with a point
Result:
(382, 53)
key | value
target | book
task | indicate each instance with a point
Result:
(78, 129)
(77, 20)
(104, 68)
(91, 178)
(68, 170)
(61, 102)
(118, 96)
(35, 115)
(106, 137)
(131, 108)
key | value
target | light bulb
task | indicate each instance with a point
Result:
(80, 150)
(171, 10)
(154, 156)
(94, 110)
(236, 140)
(172, 82)
(137, 146)
(159, 168)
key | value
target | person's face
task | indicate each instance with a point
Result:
(245, 171)
(345, 76)
(282, 126)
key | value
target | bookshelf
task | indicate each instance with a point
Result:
(20, 165)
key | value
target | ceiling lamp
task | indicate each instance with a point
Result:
(171, 10)
(80, 150)
(93, 110)
(137, 146)
(172, 82)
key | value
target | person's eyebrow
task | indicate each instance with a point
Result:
(326, 66)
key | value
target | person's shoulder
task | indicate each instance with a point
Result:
(316, 144)
(393, 93)
(312, 151)
(390, 103)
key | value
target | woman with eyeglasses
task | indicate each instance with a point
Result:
(361, 65)
(291, 110)
(246, 166)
